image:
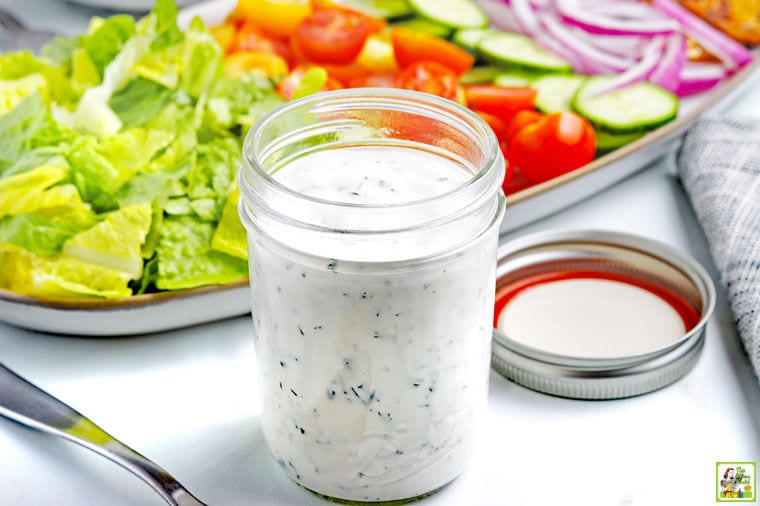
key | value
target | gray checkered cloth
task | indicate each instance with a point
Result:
(719, 166)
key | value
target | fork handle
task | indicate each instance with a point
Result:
(27, 404)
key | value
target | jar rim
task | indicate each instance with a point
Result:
(478, 130)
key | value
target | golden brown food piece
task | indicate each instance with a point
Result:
(738, 18)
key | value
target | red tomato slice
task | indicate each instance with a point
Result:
(519, 120)
(500, 101)
(498, 126)
(430, 77)
(375, 24)
(508, 166)
(552, 146)
(250, 38)
(412, 47)
(333, 35)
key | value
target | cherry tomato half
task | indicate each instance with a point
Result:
(332, 35)
(249, 37)
(500, 101)
(519, 120)
(430, 77)
(552, 146)
(498, 126)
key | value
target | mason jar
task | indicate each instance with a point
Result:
(372, 219)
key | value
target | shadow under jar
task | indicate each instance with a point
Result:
(372, 219)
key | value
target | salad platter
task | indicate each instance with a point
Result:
(165, 310)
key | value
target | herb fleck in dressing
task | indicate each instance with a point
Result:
(373, 377)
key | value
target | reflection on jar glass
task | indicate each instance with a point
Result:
(372, 217)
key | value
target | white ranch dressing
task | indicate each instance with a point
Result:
(590, 318)
(376, 378)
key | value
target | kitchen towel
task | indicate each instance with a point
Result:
(719, 167)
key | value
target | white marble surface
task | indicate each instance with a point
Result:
(188, 399)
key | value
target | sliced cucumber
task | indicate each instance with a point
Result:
(556, 92)
(386, 9)
(515, 50)
(424, 25)
(480, 75)
(469, 38)
(606, 142)
(454, 13)
(641, 106)
(515, 78)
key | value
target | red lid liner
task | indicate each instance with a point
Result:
(689, 314)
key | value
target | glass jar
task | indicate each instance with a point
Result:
(372, 219)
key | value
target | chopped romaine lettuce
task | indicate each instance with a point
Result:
(106, 39)
(230, 236)
(118, 155)
(116, 242)
(186, 260)
(34, 233)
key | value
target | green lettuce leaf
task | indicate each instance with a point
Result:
(106, 39)
(34, 189)
(24, 272)
(202, 60)
(18, 127)
(19, 64)
(35, 234)
(186, 260)
(230, 236)
(100, 168)
(235, 105)
(116, 242)
(210, 180)
(84, 72)
(140, 101)
(59, 50)
(14, 91)
(151, 187)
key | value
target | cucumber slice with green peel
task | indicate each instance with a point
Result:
(556, 92)
(638, 107)
(515, 50)
(606, 142)
(480, 75)
(469, 38)
(515, 78)
(454, 13)
(424, 25)
(385, 9)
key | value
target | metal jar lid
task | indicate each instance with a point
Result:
(613, 254)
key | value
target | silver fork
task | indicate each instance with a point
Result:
(25, 403)
(14, 35)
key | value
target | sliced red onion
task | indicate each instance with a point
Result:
(525, 17)
(500, 15)
(730, 52)
(574, 13)
(699, 77)
(594, 58)
(622, 9)
(626, 47)
(530, 25)
(638, 72)
(667, 73)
